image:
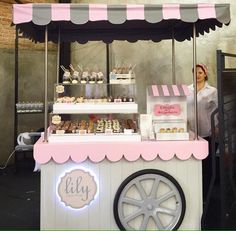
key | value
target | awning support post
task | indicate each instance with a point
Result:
(58, 53)
(173, 60)
(195, 83)
(46, 87)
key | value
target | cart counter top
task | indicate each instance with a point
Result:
(115, 151)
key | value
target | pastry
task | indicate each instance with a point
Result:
(80, 99)
(124, 99)
(116, 126)
(131, 99)
(181, 130)
(168, 130)
(174, 130)
(100, 126)
(91, 126)
(110, 99)
(73, 127)
(162, 130)
(104, 100)
(118, 99)
(131, 125)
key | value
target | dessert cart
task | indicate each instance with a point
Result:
(125, 183)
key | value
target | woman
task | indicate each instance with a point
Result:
(206, 103)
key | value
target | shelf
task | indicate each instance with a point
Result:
(172, 136)
(60, 138)
(118, 82)
(29, 112)
(88, 108)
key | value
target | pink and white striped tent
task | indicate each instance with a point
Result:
(84, 22)
(168, 90)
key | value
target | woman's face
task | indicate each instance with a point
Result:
(200, 75)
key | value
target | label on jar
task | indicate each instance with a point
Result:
(56, 119)
(60, 89)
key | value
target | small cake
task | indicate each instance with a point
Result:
(114, 71)
(116, 126)
(104, 100)
(86, 100)
(119, 70)
(100, 126)
(82, 127)
(174, 130)
(131, 125)
(181, 130)
(91, 126)
(124, 99)
(131, 99)
(59, 100)
(118, 99)
(65, 126)
(110, 99)
(72, 128)
(162, 130)
(168, 130)
(80, 99)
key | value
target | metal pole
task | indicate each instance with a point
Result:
(173, 61)
(108, 68)
(195, 82)
(220, 68)
(16, 85)
(58, 53)
(46, 87)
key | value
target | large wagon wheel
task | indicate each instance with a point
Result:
(149, 199)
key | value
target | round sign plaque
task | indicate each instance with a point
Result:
(77, 188)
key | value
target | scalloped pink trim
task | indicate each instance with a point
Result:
(115, 151)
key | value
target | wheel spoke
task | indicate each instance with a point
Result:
(144, 222)
(132, 201)
(166, 196)
(158, 222)
(167, 211)
(154, 188)
(133, 216)
(141, 190)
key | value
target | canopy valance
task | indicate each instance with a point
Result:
(94, 22)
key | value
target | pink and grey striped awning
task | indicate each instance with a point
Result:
(83, 22)
(168, 90)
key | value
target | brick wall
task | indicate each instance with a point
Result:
(7, 32)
